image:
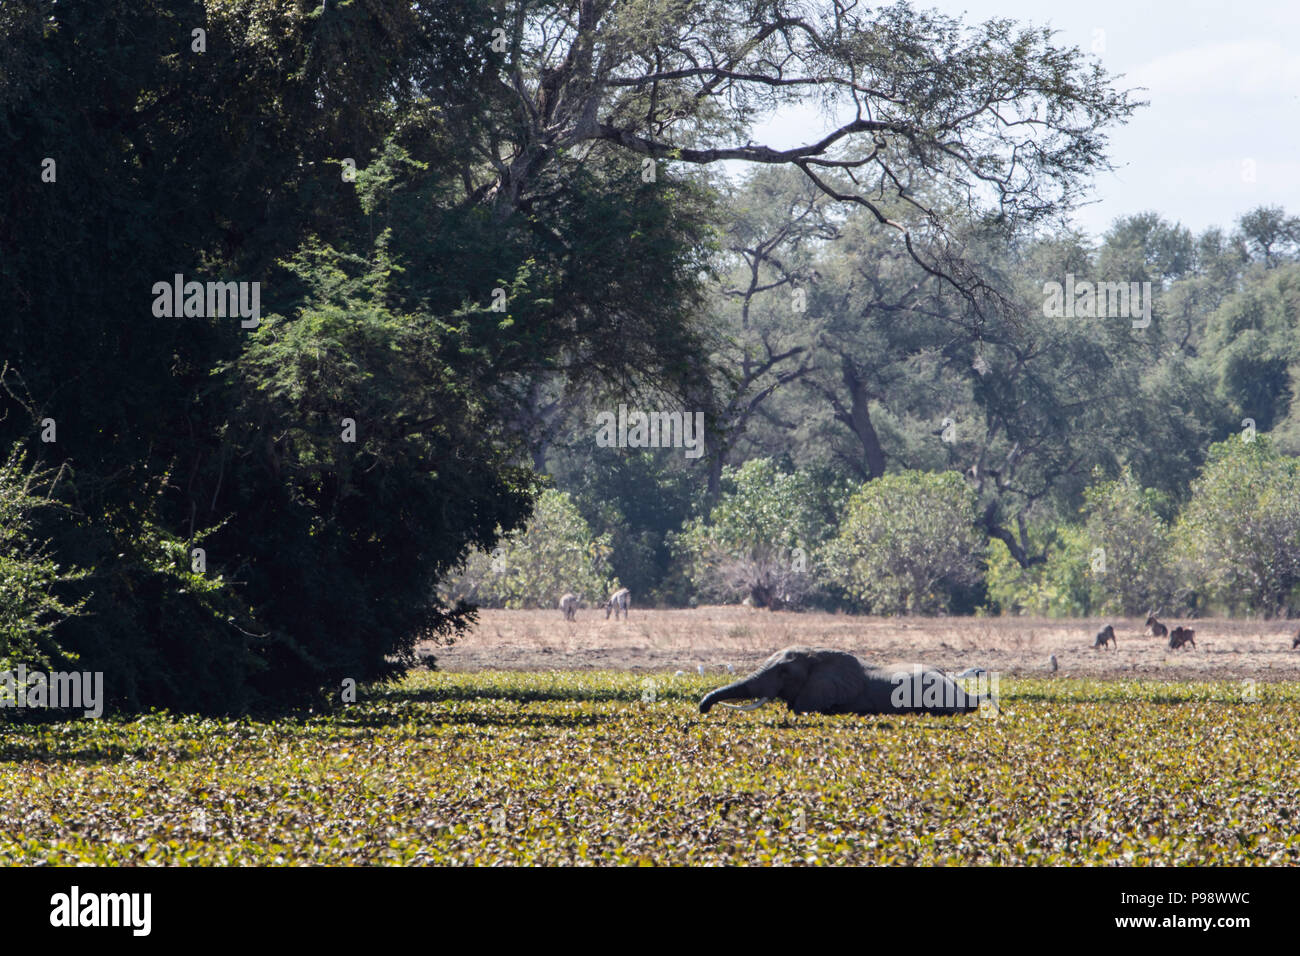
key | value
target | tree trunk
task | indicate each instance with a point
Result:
(860, 420)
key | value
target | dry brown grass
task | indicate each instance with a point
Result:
(717, 636)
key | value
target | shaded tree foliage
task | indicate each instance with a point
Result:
(503, 252)
(322, 554)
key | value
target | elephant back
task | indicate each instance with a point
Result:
(913, 687)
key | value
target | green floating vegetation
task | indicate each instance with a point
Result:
(619, 768)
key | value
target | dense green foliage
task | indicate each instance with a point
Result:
(640, 500)
(1131, 545)
(473, 226)
(534, 567)
(338, 460)
(1239, 536)
(1118, 560)
(1062, 585)
(760, 539)
(908, 544)
(30, 606)
(1081, 437)
(570, 768)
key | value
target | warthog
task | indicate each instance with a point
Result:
(569, 604)
(1180, 636)
(620, 600)
(1295, 641)
(1104, 637)
(1155, 628)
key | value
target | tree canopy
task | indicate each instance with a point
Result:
(469, 227)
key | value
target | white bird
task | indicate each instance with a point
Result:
(730, 669)
(699, 668)
(680, 674)
(972, 672)
(1051, 663)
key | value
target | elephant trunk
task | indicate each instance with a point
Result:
(740, 690)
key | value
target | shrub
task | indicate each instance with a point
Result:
(1116, 561)
(1239, 535)
(759, 539)
(555, 553)
(1059, 586)
(1129, 547)
(908, 543)
(30, 609)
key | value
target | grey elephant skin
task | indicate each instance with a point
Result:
(823, 681)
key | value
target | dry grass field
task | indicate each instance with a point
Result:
(714, 637)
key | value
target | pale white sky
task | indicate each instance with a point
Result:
(1222, 132)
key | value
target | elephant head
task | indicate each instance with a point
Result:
(819, 680)
(782, 675)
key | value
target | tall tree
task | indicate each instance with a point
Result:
(995, 111)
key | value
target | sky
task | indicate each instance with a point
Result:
(1222, 132)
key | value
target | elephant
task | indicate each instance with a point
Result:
(824, 681)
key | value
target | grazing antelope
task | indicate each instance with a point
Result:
(1180, 636)
(1104, 637)
(620, 600)
(1155, 628)
(569, 604)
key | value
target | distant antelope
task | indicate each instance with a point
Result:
(1295, 641)
(569, 604)
(620, 600)
(1104, 637)
(1155, 628)
(1180, 636)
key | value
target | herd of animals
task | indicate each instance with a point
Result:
(1178, 636)
(618, 603)
(826, 681)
